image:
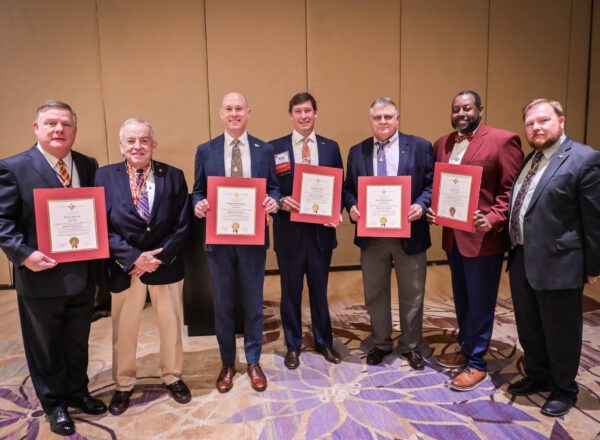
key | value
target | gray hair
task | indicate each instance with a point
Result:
(55, 103)
(131, 121)
(383, 101)
(556, 106)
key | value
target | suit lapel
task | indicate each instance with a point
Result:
(559, 157)
(322, 151)
(159, 185)
(367, 149)
(85, 179)
(290, 149)
(475, 144)
(255, 155)
(403, 154)
(43, 168)
(218, 147)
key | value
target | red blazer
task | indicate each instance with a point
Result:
(499, 153)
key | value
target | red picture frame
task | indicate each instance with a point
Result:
(300, 171)
(472, 172)
(395, 232)
(44, 197)
(213, 236)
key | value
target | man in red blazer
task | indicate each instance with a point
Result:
(475, 258)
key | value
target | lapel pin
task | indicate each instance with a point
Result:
(560, 157)
(256, 145)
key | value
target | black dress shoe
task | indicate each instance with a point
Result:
(61, 422)
(376, 355)
(526, 387)
(558, 404)
(415, 360)
(292, 359)
(119, 402)
(180, 392)
(88, 405)
(330, 355)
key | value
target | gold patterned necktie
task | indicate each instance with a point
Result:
(64, 174)
(237, 169)
(306, 152)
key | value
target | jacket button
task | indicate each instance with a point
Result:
(148, 229)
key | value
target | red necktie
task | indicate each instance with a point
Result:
(64, 174)
(458, 138)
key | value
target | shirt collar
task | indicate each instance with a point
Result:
(548, 152)
(391, 140)
(52, 160)
(243, 139)
(297, 138)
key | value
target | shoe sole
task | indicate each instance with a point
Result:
(451, 366)
(549, 414)
(469, 388)
(544, 390)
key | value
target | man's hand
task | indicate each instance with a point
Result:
(430, 216)
(287, 204)
(333, 225)
(480, 222)
(415, 212)
(354, 213)
(201, 208)
(39, 261)
(270, 205)
(146, 262)
(590, 279)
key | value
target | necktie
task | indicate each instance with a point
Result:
(458, 138)
(518, 204)
(381, 162)
(306, 152)
(237, 169)
(64, 174)
(142, 205)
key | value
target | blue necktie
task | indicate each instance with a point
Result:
(142, 204)
(381, 162)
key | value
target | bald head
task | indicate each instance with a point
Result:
(234, 112)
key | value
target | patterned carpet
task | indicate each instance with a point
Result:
(318, 400)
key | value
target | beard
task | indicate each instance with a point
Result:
(539, 144)
(472, 124)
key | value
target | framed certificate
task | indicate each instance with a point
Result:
(71, 223)
(455, 195)
(236, 214)
(383, 203)
(318, 190)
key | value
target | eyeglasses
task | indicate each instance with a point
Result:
(386, 118)
(145, 141)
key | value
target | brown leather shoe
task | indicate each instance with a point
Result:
(119, 402)
(468, 379)
(179, 392)
(415, 360)
(452, 360)
(225, 379)
(257, 377)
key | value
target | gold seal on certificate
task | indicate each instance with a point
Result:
(235, 227)
(383, 221)
(452, 211)
(315, 208)
(74, 241)
(384, 204)
(236, 210)
(72, 224)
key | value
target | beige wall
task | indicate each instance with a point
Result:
(171, 63)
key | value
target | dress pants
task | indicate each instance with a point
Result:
(55, 338)
(550, 328)
(127, 307)
(225, 262)
(376, 262)
(309, 260)
(475, 282)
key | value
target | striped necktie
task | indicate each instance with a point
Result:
(381, 160)
(63, 173)
(306, 152)
(142, 205)
(237, 167)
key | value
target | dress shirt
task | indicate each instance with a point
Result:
(459, 149)
(244, 150)
(392, 155)
(548, 152)
(298, 142)
(68, 160)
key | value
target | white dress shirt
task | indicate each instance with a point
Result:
(244, 150)
(298, 142)
(392, 155)
(68, 160)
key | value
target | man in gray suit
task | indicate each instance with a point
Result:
(555, 249)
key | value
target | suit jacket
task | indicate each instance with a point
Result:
(561, 228)
(129, 235)
(287, 234)
(19, 175)
(210, 161)
(415, 160)
(499, 153)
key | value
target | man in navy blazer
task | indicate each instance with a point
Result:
(148, 224)
(55, 300)
(236, 153)
(392, 153)
(303, 248)
(555, 249)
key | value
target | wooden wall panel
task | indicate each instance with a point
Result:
(439, 58)
(593, 116)
(353, 58)
(5, 275)
(154, 68)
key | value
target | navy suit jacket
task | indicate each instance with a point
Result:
(210, 161)
(561, 228)
(416, 160)
(129, 235)
(19, 175)
(286, 233)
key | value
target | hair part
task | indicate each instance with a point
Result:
(383, 101)
(301, 98)
(55, 103)
(555, 105)
(472, 93)
(132, 121)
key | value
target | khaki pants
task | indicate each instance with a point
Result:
(126, 312)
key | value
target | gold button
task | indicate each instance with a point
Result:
(148, 229)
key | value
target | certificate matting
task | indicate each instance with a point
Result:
(383, 203)
(236, 214)
(455, 195)
(318, 190)
(71, 223)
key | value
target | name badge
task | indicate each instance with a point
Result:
(282, 163)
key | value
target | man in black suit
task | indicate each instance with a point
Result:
(555, 249)
(303, 248)
(148, 223)
(55, 300)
